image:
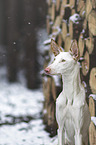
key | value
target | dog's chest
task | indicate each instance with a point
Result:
(63, 109)
(64, 115)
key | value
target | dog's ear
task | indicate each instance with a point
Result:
(74, 50)
(55, 48)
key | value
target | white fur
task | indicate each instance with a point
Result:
(72, 112)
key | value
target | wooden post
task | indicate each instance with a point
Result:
(92, 134)
(48, 24)
(93, 3)
(64, 29)
(88, 8)
(62, 9)
(92, 105)
(59, 39)
(49, 2)
(72, 3)
(53, 11)
(92, 80)
(57, 5)
(90, 44)
(80, 5)
(81, 44)
(92, 22)
(82, 12)
(67, 43)
(85, 64)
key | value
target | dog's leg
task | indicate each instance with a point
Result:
(61, 136)
(76, 113)
(78, 138)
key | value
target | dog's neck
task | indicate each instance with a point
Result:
(71, 83)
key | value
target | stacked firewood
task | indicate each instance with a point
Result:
(68, 20)
(92, 127)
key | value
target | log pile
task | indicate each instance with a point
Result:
(92, 127)
(68, 20)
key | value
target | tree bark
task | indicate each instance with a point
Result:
(30, 43)
(12, 38)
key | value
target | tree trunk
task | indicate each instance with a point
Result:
(30, 10)
(12, 37)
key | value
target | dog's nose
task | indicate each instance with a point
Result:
(47, 70)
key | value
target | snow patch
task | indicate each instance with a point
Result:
(93, 119)
(75, 18)
(46, 42)
(93, 96)
(15, 101)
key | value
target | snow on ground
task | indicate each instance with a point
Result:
(19, 103)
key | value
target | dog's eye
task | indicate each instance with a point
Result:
(63, 60)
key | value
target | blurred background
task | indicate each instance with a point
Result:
(20, 21)
(22, 32)
(27, 100)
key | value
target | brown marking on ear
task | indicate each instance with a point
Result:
(55, 48)
(74, 50)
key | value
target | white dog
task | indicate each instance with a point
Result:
(72, 111)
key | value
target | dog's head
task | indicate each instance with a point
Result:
(63, 61)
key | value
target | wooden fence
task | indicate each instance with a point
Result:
(68, 20)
